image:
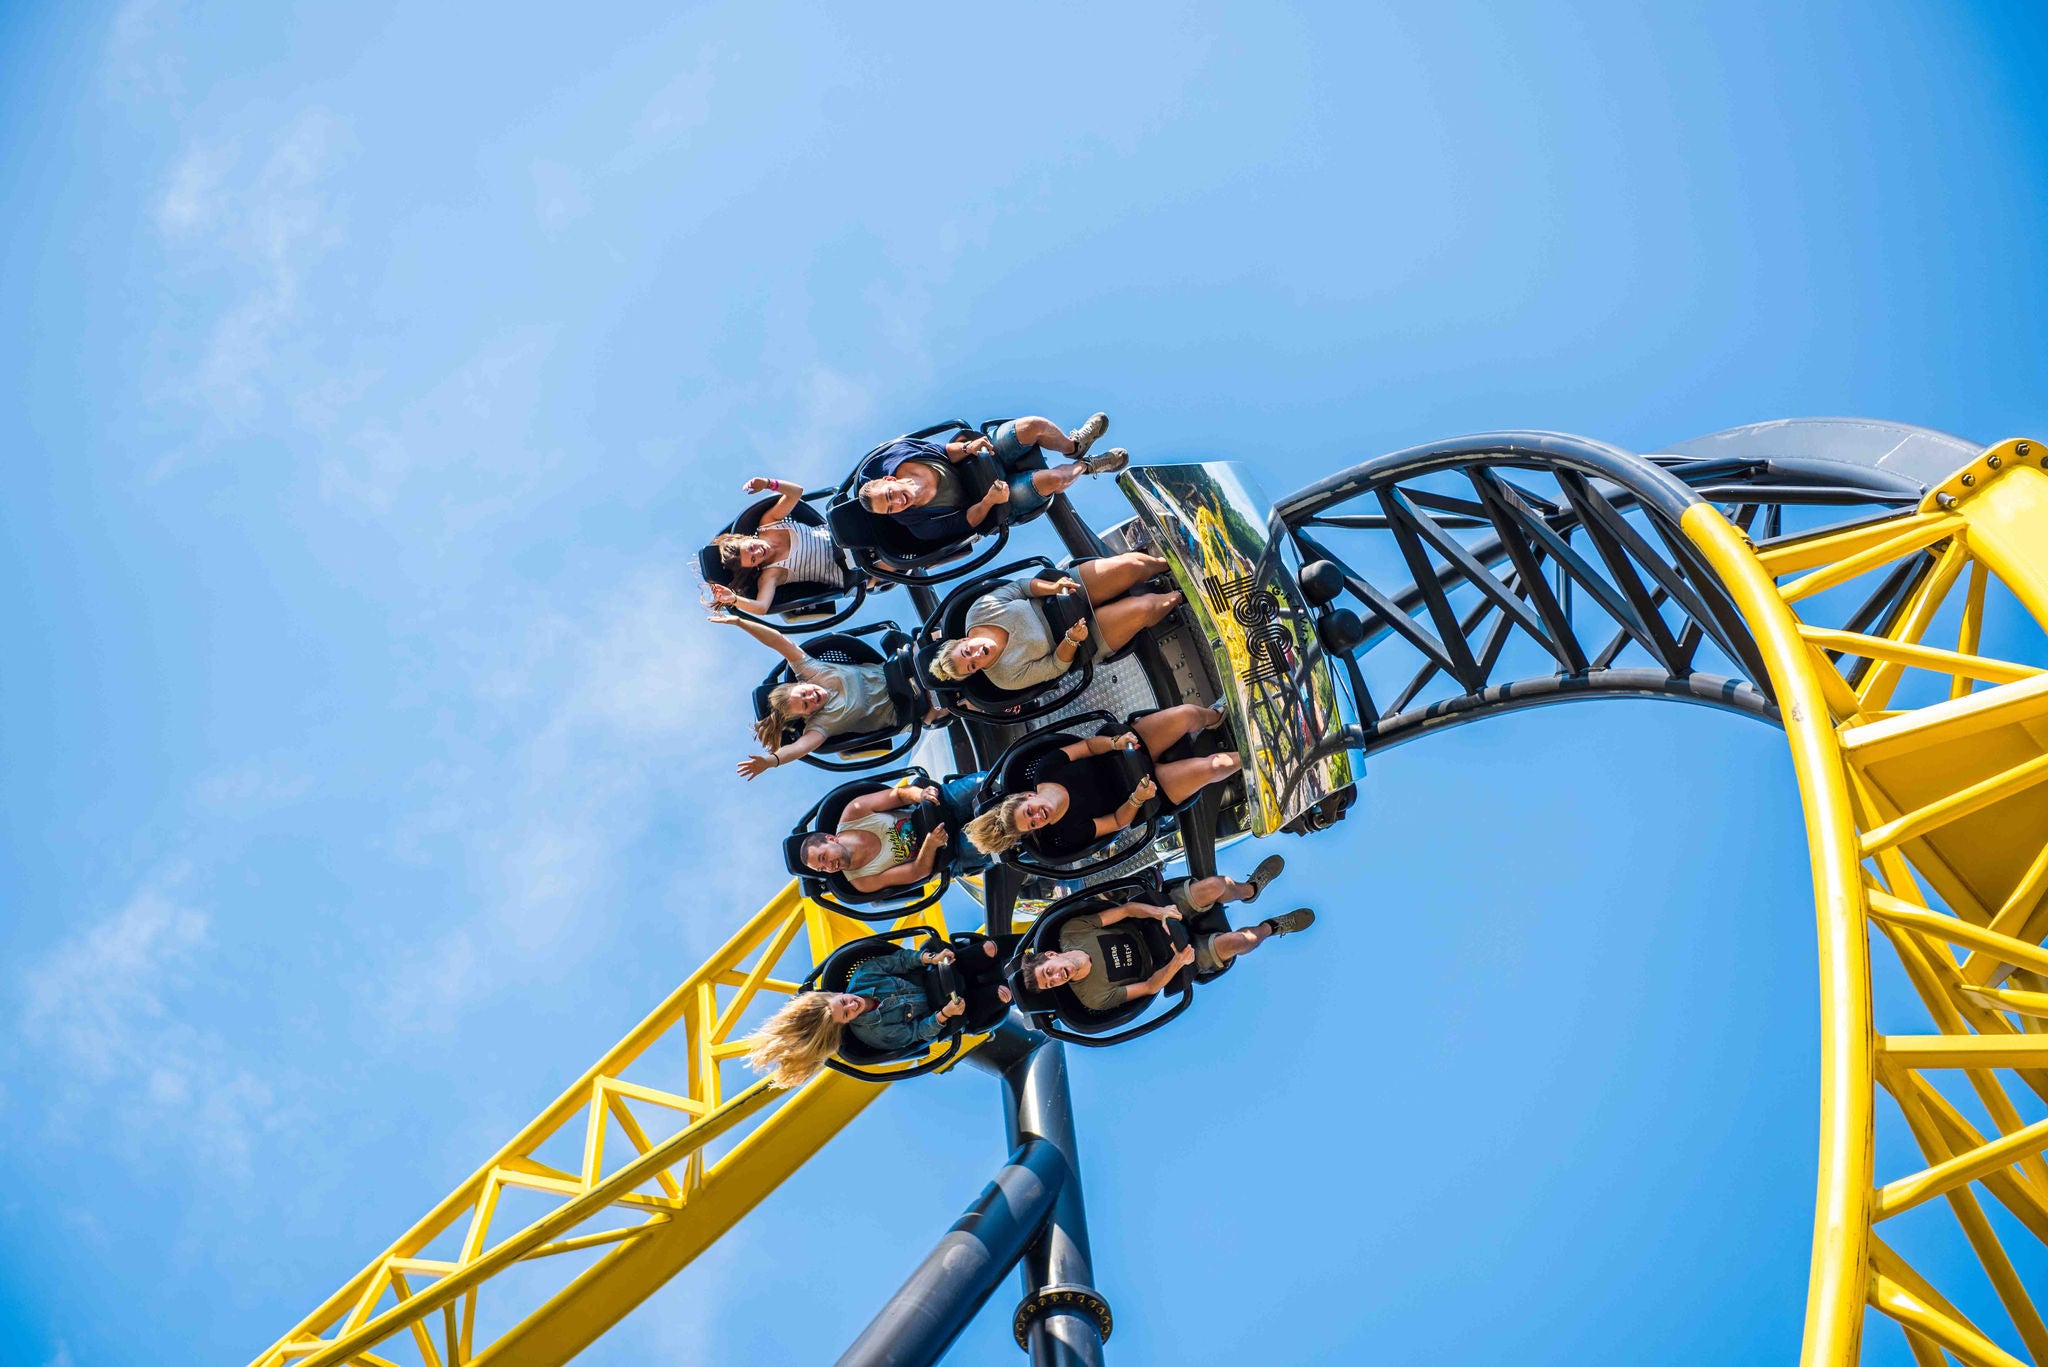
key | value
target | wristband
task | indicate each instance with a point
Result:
(776, 485)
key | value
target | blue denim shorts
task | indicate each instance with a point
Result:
(1022, 462)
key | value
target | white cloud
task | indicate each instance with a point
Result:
(254, 787)
(98, 1008)
(137, 65)
(256, 225)
(626, 703)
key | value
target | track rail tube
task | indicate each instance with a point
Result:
(1840, 1271)
(957, 1277)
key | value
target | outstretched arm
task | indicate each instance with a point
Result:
(753, 766)
(764, 592)
(767, 636)
(789, 491)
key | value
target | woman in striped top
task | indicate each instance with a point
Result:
(781, 552)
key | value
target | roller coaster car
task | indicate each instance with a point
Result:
(1018, 768)
(801, 606)
(855, 751)
(1146, 944)
(835, 890)
(977, 693)
(856, 1059)
(881, 546)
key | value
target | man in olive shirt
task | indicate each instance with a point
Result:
(1102, 964)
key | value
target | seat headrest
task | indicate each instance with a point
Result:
(711, 565)
(853, 526)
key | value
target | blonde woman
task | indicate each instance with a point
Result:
(885, 1006)
(779, 552)
(829, 699)
(1007, 637)
(1080, 798)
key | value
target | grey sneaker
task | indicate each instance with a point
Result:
(1109, 462)
(1268, 869)
(1084, 436)
(1287, 923)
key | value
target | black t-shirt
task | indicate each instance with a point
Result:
(1095, 787)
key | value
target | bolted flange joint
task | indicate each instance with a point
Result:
(1045, 1300)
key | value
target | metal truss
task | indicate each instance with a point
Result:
(1929, 822)
(599, 1230)
(1512, 570)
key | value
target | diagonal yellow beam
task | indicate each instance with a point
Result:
(1961, 1170)
(1959, 804)
(1916, 538)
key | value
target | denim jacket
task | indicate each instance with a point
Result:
(904, 1014)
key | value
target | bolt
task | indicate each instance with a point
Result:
(2023, 448)
(1969, 480)
(1993, 461)
(1945, 500)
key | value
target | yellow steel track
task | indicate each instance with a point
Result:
(1930, 823)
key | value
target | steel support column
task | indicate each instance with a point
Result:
(1062, 1320)
(921, 1321)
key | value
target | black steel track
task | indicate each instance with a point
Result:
(1573, 546)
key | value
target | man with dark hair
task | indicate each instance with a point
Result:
(918, 486)
(1096, 965)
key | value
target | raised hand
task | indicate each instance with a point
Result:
(723, 618)
(753, 766)
(756, 485)
(723, 595)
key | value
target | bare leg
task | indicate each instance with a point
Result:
(1169, 724)
(1056, 480)
(1111, 576)
(1183, 778)
(1216, 890)
(1126, 617)
(1232, 943)
(1043, 433)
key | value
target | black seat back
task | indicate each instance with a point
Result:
(1021, 767)
(791, 596)
(978, 693)
(1142, 943)
(844, 753)
(834, 890)
(940, 981)
(883, 547)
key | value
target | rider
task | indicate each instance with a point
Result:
(876, 845)
(1082, 960)
(885, 1006)
(919, 488)
(1007, 636)
(779, 552)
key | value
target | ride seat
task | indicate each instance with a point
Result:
(855, 751)
(857, 1058)
(835, 890)
(801, 605)
(1149, 943)
(978, 694)
(881, 546)
(1022, 766)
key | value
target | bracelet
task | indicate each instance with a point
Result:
(776, 485)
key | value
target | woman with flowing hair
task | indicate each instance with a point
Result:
(830, 699)
(779, 551)
(1008, 638)
(1080, 798)
(885, 1007)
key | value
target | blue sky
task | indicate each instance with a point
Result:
(365, 765)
